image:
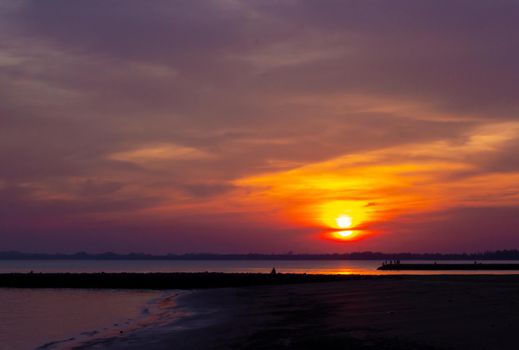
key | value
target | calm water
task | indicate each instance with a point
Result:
(30, 319)
(367, 267)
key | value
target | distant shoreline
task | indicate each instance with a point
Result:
(495, 255)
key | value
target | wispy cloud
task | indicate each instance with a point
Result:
(159, 153)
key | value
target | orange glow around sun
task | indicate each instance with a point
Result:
(345, 218)
(346, 198)
(342, 214)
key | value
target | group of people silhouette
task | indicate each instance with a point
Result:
(391, 262)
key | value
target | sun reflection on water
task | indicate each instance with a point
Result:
(345, 235)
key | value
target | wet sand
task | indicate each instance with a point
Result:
(390, 312)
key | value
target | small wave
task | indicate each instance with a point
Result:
(54, 344)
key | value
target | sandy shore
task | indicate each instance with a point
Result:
(398, 312)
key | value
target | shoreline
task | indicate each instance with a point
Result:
(157, 312)
(395, 312)
(48, 318)
(391, 312)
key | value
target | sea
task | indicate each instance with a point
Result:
(66, 318)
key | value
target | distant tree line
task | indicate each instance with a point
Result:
(487, 255)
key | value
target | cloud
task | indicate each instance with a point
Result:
(201, 190)
(474, 228)
(158, 153)
(190, 107)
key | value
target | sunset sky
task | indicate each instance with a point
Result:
(259, 126)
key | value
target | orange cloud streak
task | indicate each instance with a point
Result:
(382, 185)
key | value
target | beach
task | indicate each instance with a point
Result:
(389, 312)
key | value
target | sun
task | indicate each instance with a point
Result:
(343, 221)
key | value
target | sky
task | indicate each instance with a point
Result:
(259, 126)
